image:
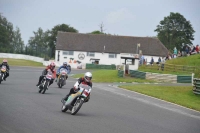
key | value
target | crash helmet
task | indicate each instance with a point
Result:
(52, 65)
(64, 63)
(5, 62)
(88, 76)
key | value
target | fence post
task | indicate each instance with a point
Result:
(192, 78)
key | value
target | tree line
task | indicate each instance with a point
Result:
(173, 31)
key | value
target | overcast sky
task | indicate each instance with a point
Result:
(121, 17)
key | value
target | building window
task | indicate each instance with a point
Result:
(112, 55)
(68, 52)
(90, 54)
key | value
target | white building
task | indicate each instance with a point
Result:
(80, 49)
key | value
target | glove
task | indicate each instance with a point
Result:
(76, 88)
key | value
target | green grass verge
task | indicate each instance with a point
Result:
(110, 76)
(193, 60)
(182, 95)
(21, 62)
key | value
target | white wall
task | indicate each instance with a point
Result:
(134, 67)
(102, 56)
(21, 56)
(28, 57)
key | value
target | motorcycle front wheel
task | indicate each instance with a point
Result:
(64, 108)
(45, 87)
(60, 83)
(1, 78)
(77, 106)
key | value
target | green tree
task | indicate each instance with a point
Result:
(175, 31)
(6, 35)
(96, 32)
(18, 44)
(38, 44)
(53, 34)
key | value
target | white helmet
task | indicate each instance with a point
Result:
(88, 76)
(65, 63)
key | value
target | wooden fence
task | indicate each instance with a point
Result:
(172, 68)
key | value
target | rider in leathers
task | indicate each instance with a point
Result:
(5, 63)
(84, 80)
(58, 71)
(50, 67)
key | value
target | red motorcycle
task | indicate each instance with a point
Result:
(45, 82)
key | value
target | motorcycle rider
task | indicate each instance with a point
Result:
(84, 80)
(58, 71)
(50, 67)
(5, 63)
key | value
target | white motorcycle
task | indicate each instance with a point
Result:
(75, 101)
(45, 82)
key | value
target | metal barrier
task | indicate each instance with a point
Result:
(196, 86)
(184, 79)
(120, 73)
(100, 66)
(137, 74)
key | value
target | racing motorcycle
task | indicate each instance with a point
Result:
(45, 82)
(75, 101)
(2, 73)
(62, 78)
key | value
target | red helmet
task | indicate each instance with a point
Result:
(52, 65)
(4, 60)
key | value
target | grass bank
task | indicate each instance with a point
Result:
(181, 95)
(21, 62)
(189, 61)
(110, 76)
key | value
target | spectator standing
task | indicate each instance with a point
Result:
(162, 63)
(159, 60)
(197, 48)
(187, 50)
(152, 61)
(179, 54)
(193, 50)
(142, 60)
(175, 51)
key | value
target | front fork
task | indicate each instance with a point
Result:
(2, 77)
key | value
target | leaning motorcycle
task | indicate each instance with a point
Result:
(75, 101)
(62, 78)
(2, 73)
(45, 82)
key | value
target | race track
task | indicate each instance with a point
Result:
(110, 109)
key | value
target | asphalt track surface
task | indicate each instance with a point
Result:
(110, 109)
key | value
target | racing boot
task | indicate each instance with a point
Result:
(38, 84)
(40, 79)
(65, 99)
